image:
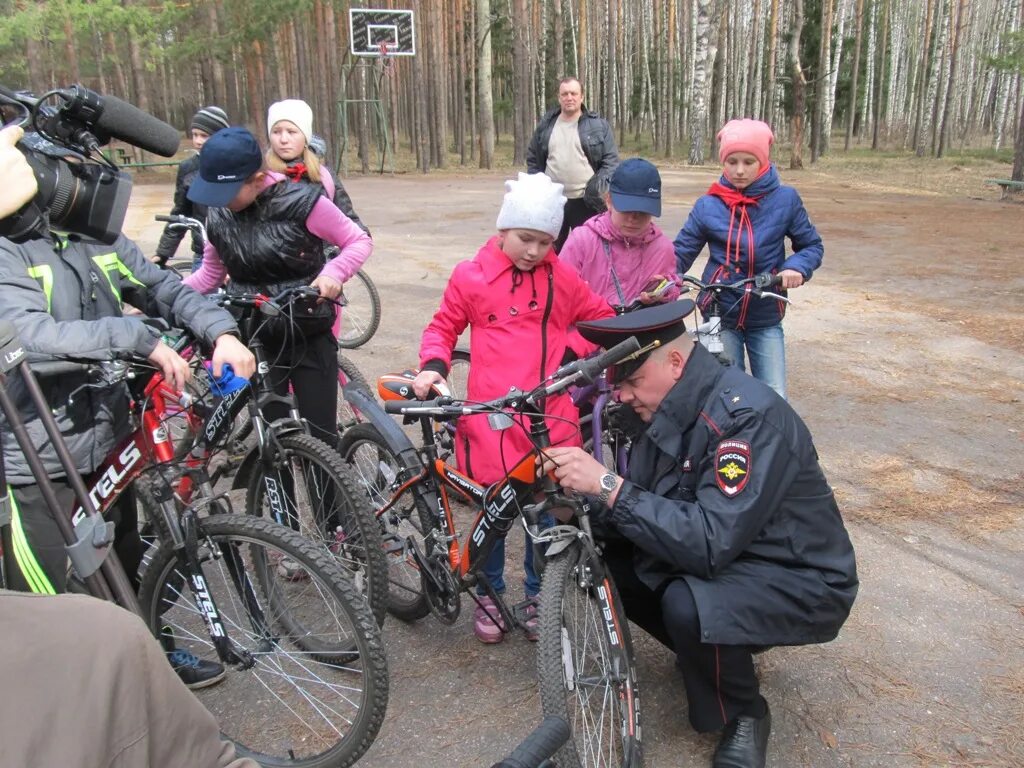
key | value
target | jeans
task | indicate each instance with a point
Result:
(766, 350)
(494, 566)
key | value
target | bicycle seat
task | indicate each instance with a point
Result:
(398, 386)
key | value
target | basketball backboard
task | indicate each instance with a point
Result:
(375, 31)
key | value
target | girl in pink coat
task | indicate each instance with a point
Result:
(520, 304)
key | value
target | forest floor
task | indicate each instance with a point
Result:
(906, 359)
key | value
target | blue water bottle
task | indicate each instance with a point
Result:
(227, 382)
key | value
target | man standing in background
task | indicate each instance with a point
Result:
(575, 147)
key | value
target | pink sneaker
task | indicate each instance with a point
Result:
(484, 628)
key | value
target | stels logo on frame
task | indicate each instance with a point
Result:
(732, 466)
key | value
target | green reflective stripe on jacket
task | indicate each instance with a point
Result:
(112, 265)
(24, 556)
(44, 274)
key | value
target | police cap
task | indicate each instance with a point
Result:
(652, 326)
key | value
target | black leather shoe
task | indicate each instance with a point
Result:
(744, 743)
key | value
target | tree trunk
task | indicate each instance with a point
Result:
(955, 22)
(885, 22)
(698, 91)
(851, 111)
(819, 139)
(768, 108)
(796, 160)
(558, 24)
(521, 91)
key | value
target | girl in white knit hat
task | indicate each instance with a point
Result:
(290, 130)
(520, 304)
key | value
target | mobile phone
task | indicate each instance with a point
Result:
(658, 286)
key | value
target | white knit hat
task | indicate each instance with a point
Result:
(533, 201)
(294, 111)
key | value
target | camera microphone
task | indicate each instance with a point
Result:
(108, 117)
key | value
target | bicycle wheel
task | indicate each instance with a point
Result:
(310, 489)
(361, 313)
(348, 373)
(379, 470)
(284, 706)
(585, 663)
(458, 374)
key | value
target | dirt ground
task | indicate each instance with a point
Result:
(906, 359)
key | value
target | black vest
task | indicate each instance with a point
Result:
(268, 242)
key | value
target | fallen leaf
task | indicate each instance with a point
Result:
(829, 739)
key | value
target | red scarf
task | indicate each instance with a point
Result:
(739, 221)
(295, 172)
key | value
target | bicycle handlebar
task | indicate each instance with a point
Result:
(587, 369)
(756, 285)
(539, 746)
(271, 306)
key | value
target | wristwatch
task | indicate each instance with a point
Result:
(608, 482)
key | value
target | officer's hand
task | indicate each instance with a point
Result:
(577, 470)
(424, 381)
(329, 287)
(228, 349)
(791, 278)
(19, 180)
(175, 370)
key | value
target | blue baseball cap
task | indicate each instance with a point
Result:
(635, 187)
(226, 161)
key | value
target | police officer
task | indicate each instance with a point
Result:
(725, 538)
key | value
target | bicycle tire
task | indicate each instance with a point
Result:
(360, 316)
(597, 695)
(363, 447)
(348, 373)
(458, 374)
(331, 495)
(315, 697)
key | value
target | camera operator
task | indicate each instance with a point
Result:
(63, 293)
(92, 667)
(19, 182)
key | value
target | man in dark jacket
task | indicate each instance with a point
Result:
(725, 538)
(206, 122)
(575, 147)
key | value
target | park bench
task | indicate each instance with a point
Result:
(1009, 187)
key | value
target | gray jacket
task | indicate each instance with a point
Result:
(64, 297)
(598, 144)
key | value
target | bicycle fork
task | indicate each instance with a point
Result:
(185, 542)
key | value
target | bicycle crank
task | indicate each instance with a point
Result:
(442, 591)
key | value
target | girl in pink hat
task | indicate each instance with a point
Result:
(745, 219)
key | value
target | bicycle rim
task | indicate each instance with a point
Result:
(289, 707)
(311, 490)
(360, 316)
(586, 667)
(378, 469)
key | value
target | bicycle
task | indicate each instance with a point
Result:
(289, 475)
(311, 648)
(347, 369)
(585, 658)
(709, 332)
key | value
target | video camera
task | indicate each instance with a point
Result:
(80, 190)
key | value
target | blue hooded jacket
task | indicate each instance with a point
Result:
(777, 214)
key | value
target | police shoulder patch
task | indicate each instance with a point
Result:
(732, 466)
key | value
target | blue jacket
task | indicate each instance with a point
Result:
(779, 213)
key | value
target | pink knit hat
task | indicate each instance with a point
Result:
(745, 135)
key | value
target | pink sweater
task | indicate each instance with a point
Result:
(325, 221)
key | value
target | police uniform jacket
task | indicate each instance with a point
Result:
(64, 296)
(725, 491)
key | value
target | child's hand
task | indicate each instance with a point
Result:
(791, 278)
(424, 381)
